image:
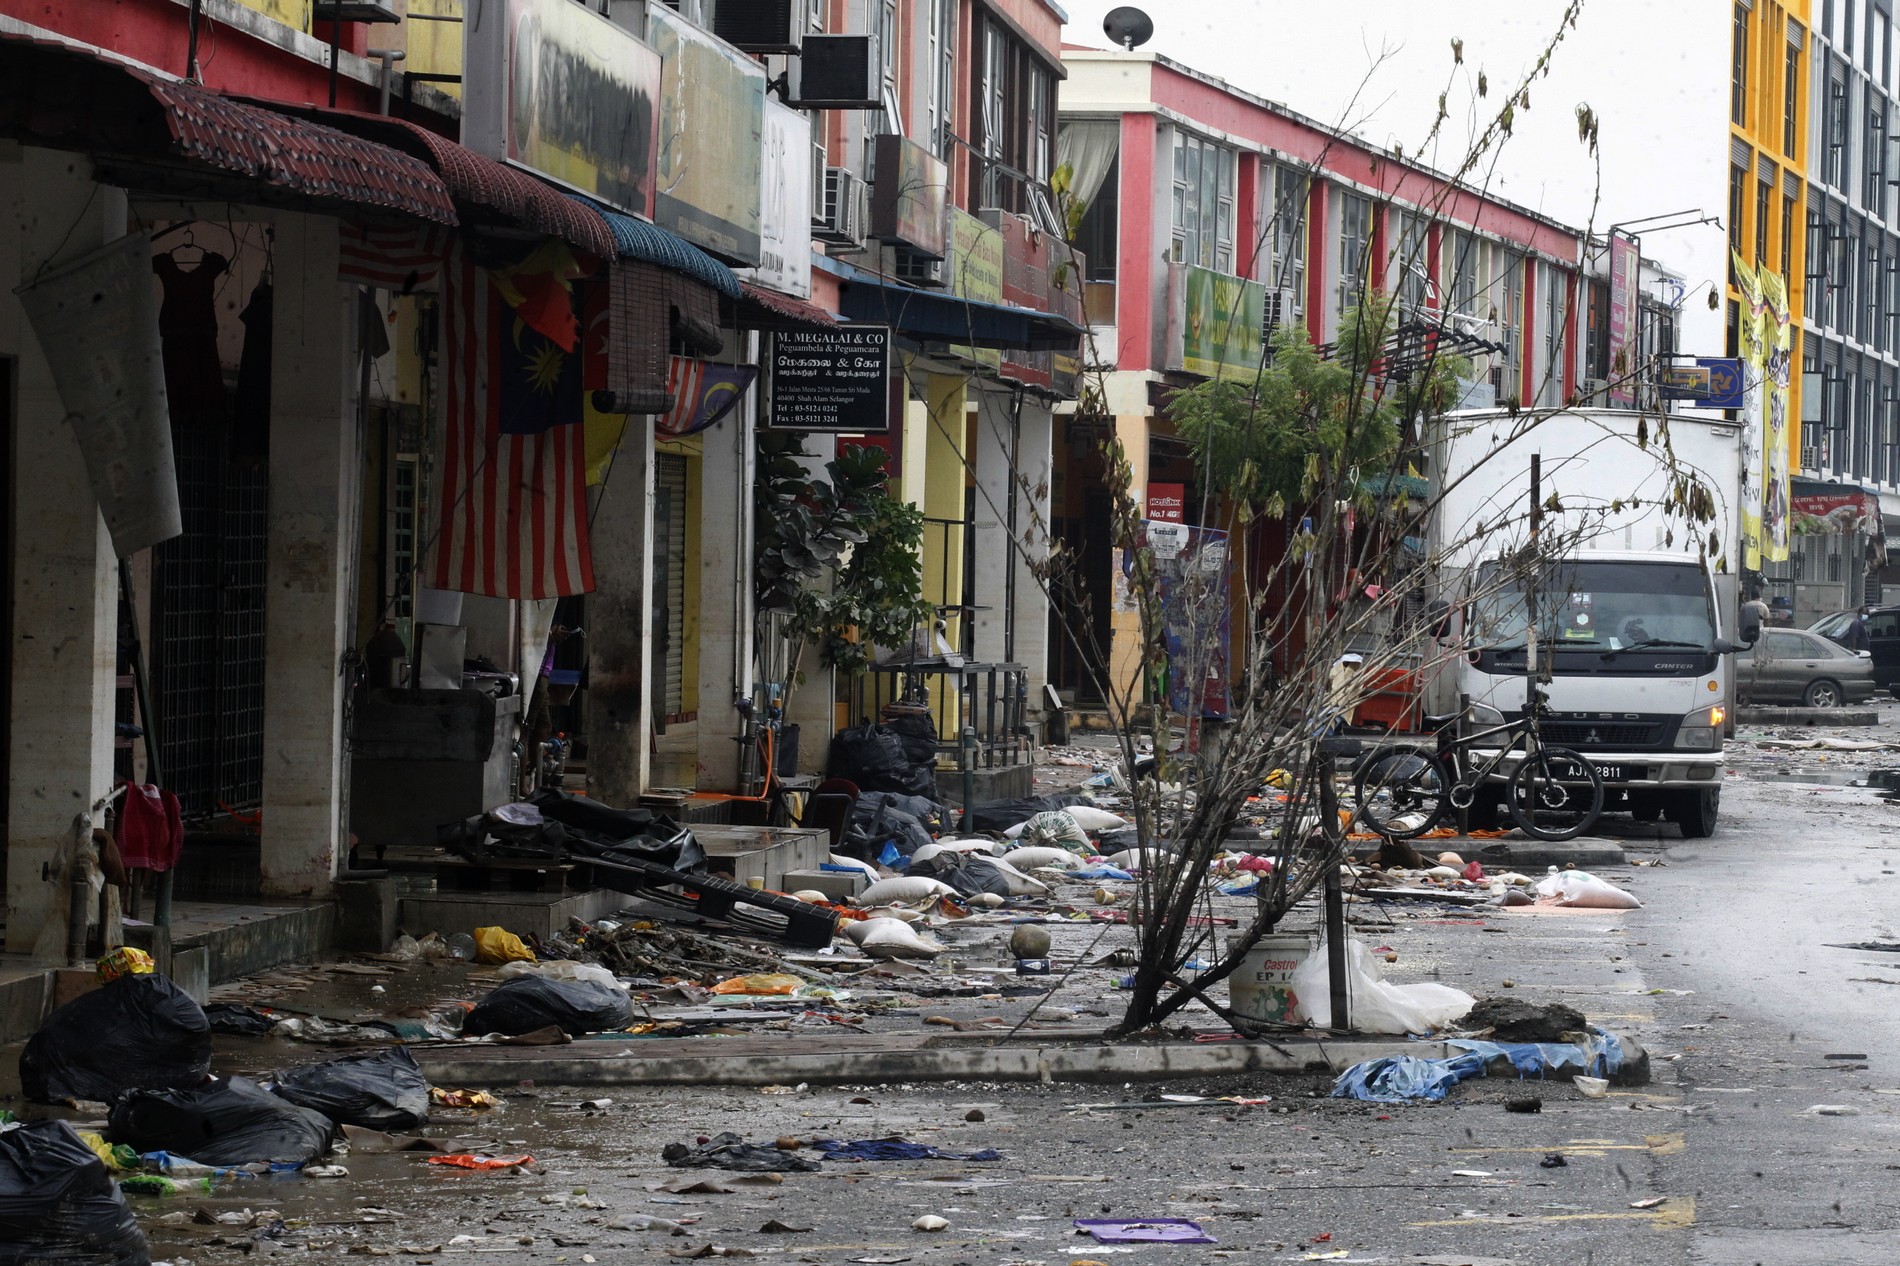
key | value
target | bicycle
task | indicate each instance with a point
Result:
(1404, 790)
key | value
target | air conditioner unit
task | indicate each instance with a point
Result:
(760, 26)
(847, 210)
(837, 72)
(1812, 458)
(1589, 389)
(1279, 308)
(920, 270)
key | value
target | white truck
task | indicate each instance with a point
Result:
(1637, 608)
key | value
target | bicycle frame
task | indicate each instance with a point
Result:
(1455, 749)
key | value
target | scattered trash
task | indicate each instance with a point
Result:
(1592, 1087)
(729, 1151)
(1554, 1160)
(1377, 1006)
(59, 1204)
(716, 1186)
(228, 1017)
(642, 1222)
(479, 1099)
(383, 1090)
(1650, 1203)
(974, 1114)
(527, 1003)
(469, 1160)
(1146, 1231)
(895, 1149)
(125, 961)
(1399, 1078)
(1516, 1020)
(930, 1222)
(325, 1171)
(230, 1122)
(769, 984)
(891, 938)
(776, 1227)
(499, 945)
(1524, 1105)
(135, 1033)
(1575, 888)
(1832, 1110)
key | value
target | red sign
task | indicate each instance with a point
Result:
(1167, 503)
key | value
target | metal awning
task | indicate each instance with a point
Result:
(651, 244)
(937, 317)
(145, 129)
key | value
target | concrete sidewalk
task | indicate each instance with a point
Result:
(1067, 1055)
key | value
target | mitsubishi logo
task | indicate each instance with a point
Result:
(1593, 737)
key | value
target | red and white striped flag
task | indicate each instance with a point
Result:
(510, 506)
(392, 257)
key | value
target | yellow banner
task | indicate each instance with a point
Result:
(1777, 492)
(1754, 355)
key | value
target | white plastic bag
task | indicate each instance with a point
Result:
(1376, 1005)
(559, 970)
(1142, 859)
(904, 888)
(890, 938)
(1574, 888)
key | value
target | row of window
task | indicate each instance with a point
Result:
(1744, 51)
(1851, 404)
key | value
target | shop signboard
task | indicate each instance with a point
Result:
(1167, 503)
(835, 380)
(785, 204)
(910, 197)
(712, 125)
(1025, 285)
(556, 88)
(1625, 267)
(1219, 320)
(976, 274)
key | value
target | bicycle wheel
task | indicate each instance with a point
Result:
(1555, 794)
(1401, 791)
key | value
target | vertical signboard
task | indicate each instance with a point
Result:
(1754, 369)
(712, 124)
(1777, 338)
(835, 380)
(552, 86)
(910, 197)
(1025, 285)
(1625, 268)
(785, 204)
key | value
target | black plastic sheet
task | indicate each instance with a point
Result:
(383, 1090)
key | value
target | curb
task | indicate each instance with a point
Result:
(1806, 716)
(1528, 854)
(1091, 1063)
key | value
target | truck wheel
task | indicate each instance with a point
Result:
(1694, 812)
(1822, 694)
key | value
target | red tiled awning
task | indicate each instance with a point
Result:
(161, 133)
(761, 308)
(485, 188)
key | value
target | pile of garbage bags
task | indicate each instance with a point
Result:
(59, 1204)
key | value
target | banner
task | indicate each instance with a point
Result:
(97, 322)
(1625, 268)
(1777, 336)
(1754, 356)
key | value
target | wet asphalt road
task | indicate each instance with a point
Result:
(1726, 975)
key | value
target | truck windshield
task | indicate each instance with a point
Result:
(1586, 604)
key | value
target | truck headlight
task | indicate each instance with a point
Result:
(1701, 737)
(1484, 714)
(1702, 728)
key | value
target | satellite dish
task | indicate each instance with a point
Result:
(1129, 27)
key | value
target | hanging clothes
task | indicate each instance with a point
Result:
(188, 327)
(250, 432)
(151, 830)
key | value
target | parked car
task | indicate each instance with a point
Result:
(1883, 640)
(1834, 626)
(1794, 666)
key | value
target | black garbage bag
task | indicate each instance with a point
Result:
(133, 1033)
(968, 875)
(926, 810)
(729, 1151)
(382, 1090)
(917, 733)
(873, 757)
(59, 1205)
(231, 1017)
(527, 1003)
(230, 1122)
(592, 827)
(1000, 815)
(874, 824)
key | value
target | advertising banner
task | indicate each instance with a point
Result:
(1777, 337)
(712, 125)
(552, 86)
(910, 196)
(835, 380)
(1625, 272)
(1221, 317)
(976, 272)
(785, 204)
(1167, 503)
(1191, 571)
(1754, 357)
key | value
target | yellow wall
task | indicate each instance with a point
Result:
(1124, 656)
(944, 478)
(292, 13)
(1762, 130)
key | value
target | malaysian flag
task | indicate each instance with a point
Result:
(510, 501)
(703, 392)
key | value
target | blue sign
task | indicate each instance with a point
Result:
(1714, 382)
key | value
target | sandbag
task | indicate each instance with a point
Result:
(231, 1122)
(1037, 856)
(1094, 820)
(1020, 884)
(59, 1205)
(1057, 827)
(904, 888)
(136, 1033)
(1574, 888)
(891, 938)
(381, 1090)
(862, 867)
(1000, 815)
(528, 1003)
(1377, 1006)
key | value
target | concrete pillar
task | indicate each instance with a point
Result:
(316, 494)
(63, 641)
(1124, 657)
(725, 594)
(1035, 464)
(995, 505)
(619, 625)
(813, 704)
(944, 445)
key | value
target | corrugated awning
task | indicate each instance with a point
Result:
(178, 138)
(651, 244)
(485, 189)
(933, 316)
(768, 309)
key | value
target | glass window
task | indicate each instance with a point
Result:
(1737, 183)
(1835, 171)
(1738, 80)
(1355, 239)
(1286, 255)
(1874, 191)
(1203, 203)
(1764, 195)
(1787, 237)
(1411, 264)
(1791, 101)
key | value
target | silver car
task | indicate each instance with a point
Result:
(1795, 667)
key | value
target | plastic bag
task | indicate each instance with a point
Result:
(1397, 1078)
(125, 961)
(1000, 815)
(1574, 888)
(534, 1002)
(890, 938)
(562, 970)
(873, 757)
(59, 1205)
(135, 1033)
(1377, 1006)
(499, 945)
(383, 1090)
(768, 984)
(232, 1122)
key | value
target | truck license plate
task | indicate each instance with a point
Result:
(1622, 773)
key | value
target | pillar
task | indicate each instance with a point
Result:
(1036, 467)
(64, 636)
(316, 492)
(1124, 656)
(619, 625)
(945, 474)
(725, 592)
(812, 706)
(1014, 467)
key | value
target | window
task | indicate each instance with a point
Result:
(1509, 316)
(1286, 239)
(1554, 315)
(1461, 251)
(939, 87)
(884, 13)
(1013, 90)
(1787, 238)
(1411, 264)
(1355, 239)
(1874, 188)
(1791, 101)
(1203, 203)
(1817, 265)
(1835, 172)
(1737, 182)
(1764, 202)
(1596, 346)
(1873, 303)
(1738, 82)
